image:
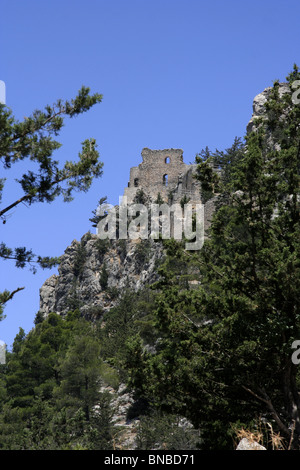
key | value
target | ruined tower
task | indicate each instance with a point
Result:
(163, 172)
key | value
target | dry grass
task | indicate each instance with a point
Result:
(264, 435)
(255, 436)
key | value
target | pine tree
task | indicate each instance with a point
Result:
(224, 353)
(34, 139)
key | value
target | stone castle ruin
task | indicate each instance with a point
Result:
(160, 172)
(163, 173)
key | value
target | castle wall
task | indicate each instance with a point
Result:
(181, 184)
(158, 173)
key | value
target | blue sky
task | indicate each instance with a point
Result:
(173, 73)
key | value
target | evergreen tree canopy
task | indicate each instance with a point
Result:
(211, 340)
(224, 353)
(34, 140)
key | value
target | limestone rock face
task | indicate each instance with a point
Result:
(93, 272)
(47, 295)
(260, 101)
(163, 173)
(246, 444)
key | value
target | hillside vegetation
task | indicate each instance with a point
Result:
(206, 349)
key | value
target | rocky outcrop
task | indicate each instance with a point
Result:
(93, 272)
(125, 427)
(259, 102)
(247, 444)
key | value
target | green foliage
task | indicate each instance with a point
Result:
(34, 139)
(122, 248)
(159, 200)
(80, 375)
(104, 277)
(142, 252)
(140, 197)
(100, 208)
(133, 314)
(112, 292)
(80, 258)
(102, 246)
(166, 432)
(210, 341)
(209, 166)
(223, 353)
(184, 201)
(51, 386)
(73, 300)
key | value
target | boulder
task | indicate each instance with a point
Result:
(246, 444)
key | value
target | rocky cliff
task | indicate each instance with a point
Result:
(93, 272)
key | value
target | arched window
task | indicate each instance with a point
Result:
(165, 180)
(167, 160)
(136, 182)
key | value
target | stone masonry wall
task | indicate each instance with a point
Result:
(159, 172)
(164, 172)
